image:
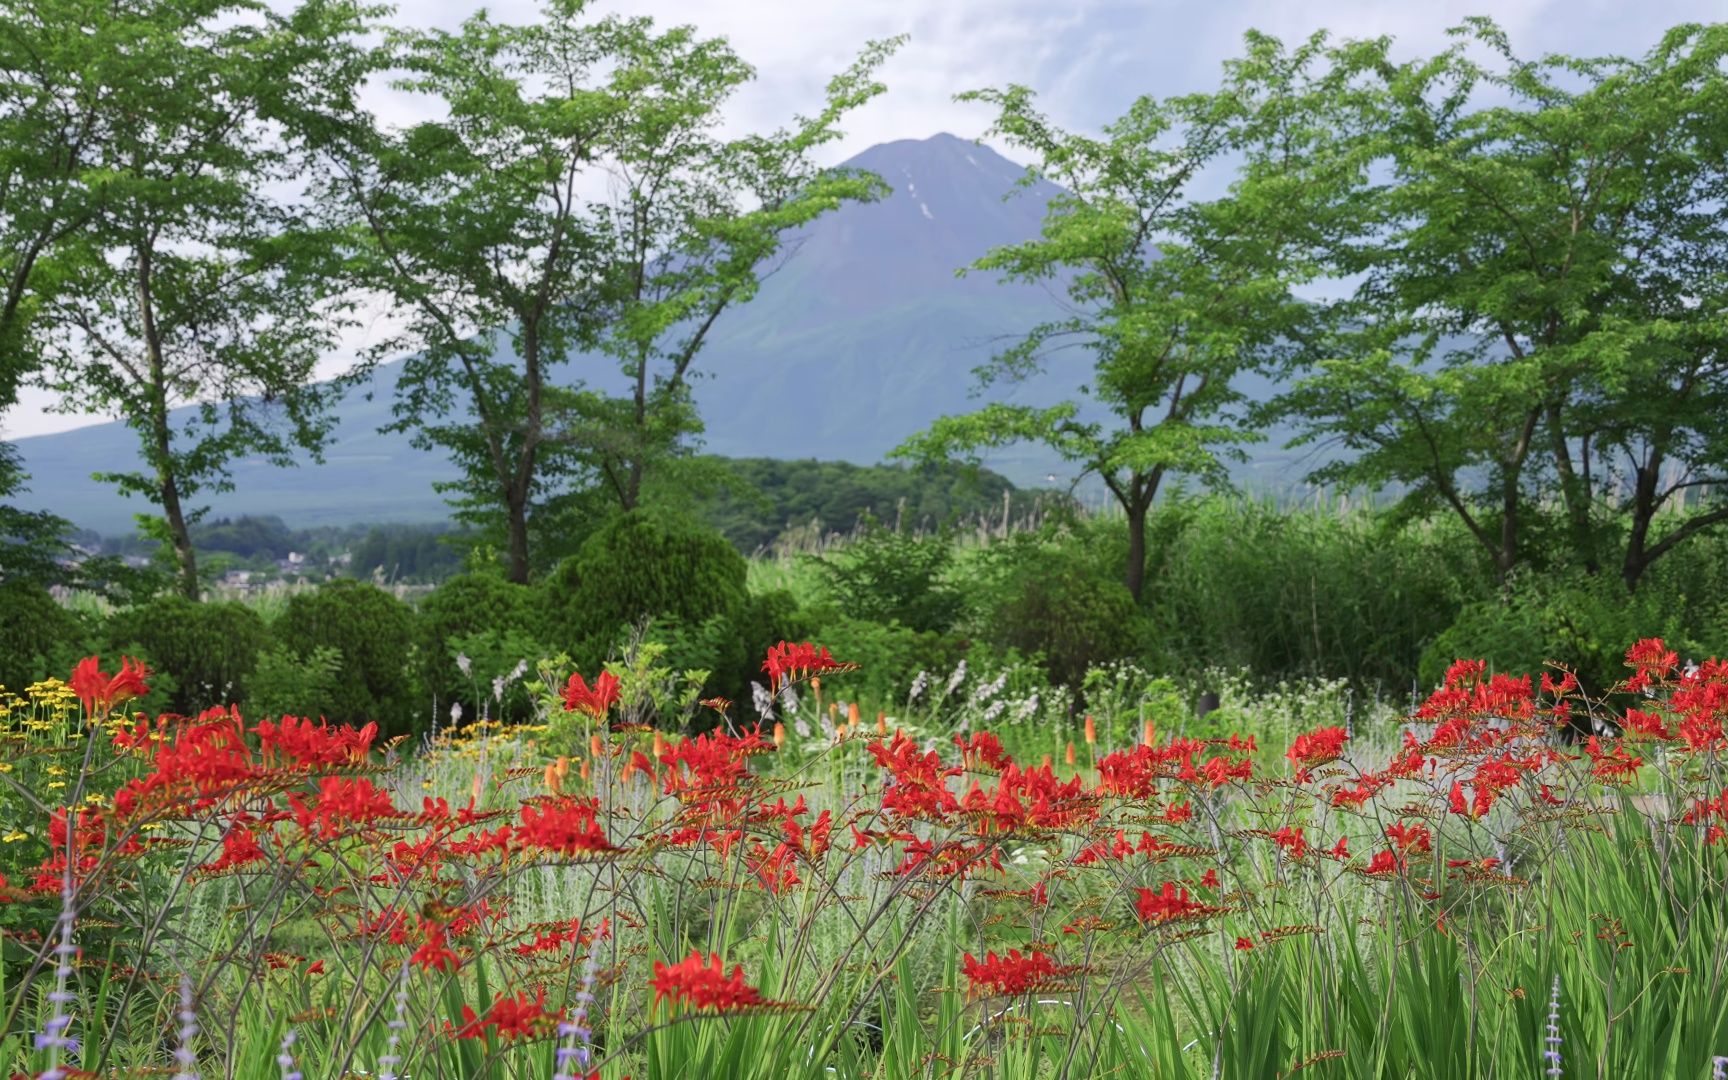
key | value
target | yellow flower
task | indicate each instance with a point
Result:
(14, 836)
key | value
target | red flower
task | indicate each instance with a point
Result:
(100, 692)
(787, 662)
(1167, 904)
(595, 701)
(1292, 841)
(510, 1018)
(1011, 974)
(703, 985)
(1244, 944)
(434, 954)
(566, 826)
(1318, 747)
(1651, 657)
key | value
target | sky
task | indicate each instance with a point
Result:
(1086, 59)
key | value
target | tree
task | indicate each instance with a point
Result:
(192, 286)
(1175, 296)
(570, 199)
(50, 87)
(59, 62)
(1539, 299)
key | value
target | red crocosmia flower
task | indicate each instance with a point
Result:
(341, 802)
(1413, 837)
(1318, 747)
(1292, 841)
(101, 692)
(566, 826)
(1455, 802)
(788, 662)
(596, 701)
(1244, 944)
(1385, 862)
(1341, 850)
(1011, 974)
(434, 954)
(510, 1018)
(703, 984)
(1652, 656)
(1167, 904)
(299, 742)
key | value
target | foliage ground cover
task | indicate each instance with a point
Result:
(1460, 893)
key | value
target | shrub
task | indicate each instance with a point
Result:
(373, 633)
(38, 637)
(1334, 592)
(288, 685)
(1580, 621)
(888, 576)
(644, 563)
(479, 615)
(1053, 597)
(209, 650)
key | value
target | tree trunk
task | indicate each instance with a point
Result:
(516, 510)
(181, 536)
(168, 485)
(1644, 505)
(1136, 579)
(1574, 493)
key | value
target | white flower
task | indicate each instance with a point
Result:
(464, 665)
(919, 684)
(957, 678)
(456, 712)
(763, 701)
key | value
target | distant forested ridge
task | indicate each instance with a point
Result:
(775, 498)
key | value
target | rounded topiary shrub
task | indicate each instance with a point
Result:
(373, 633)
(208, 651)
(480, 615)
(37, 635)
(640, 564)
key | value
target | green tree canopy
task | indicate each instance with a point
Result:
(1173, 295)
(1538, 275)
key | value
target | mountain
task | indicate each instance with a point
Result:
(861, 338)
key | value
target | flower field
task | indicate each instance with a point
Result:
(1475, 891)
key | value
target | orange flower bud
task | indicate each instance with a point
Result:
(553, 780)
(816, 685)
(596, 748)
(1070, 757)
(584, 771)
(779, 734)
(563, 766)
(881, 723)
(1091, 730)
(659, 745)
(1046, 761)
(1147, 732)
(852, 715)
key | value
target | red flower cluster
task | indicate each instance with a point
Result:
(596, 701)
(1012, 973)
(1315, 748)
(1169, 904)
(788, 663)
(703, 984)
(100, 692)
(566, 826)
(509, 1018)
